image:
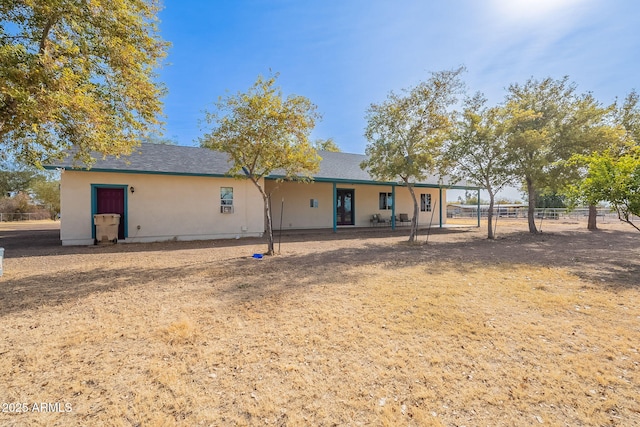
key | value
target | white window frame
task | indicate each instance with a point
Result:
(425, 202)
(385, 201)
(226, 200)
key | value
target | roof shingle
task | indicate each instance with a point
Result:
(183, 160)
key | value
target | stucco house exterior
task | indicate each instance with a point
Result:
(167, 192)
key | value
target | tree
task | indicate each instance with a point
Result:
(262, 133)
(613, 175)
(470, 197)
(14, 181)
(550, 200)
(613, 179)
(608, 131)
(628, 116)
(589, 128)
(478, 151)
(548, 122)
(326, 145)
(20, 203)
(78, 74)
(406, 132)
(47, 194)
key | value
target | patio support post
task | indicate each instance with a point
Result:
(393, 207)
(478, 207)
(440, 207)
(335, 208)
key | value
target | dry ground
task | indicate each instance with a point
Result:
(357, 328)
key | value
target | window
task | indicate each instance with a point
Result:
(425, 202)
(386, 201)
(313, 203)
(226, 199)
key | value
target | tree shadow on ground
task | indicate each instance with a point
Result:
(24, 242)
(46, 242)
(62, 287)
(610, 259)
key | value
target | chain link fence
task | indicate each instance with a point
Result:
(5, 217)
(542, 213)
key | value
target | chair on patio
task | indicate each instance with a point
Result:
(376, 220)
(404, 219)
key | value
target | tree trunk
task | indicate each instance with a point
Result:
(532, 206)
(414, 220)
(267, 224)
(490, 235)
(267, 218)
(593, 216)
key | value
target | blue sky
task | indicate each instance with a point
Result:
(344, 55)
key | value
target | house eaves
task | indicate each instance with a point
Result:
(158, 159)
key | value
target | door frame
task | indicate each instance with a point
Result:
(94, 205)
(353, 206)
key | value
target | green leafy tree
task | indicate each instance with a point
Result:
(47, 194)
(478, 151)
(326, 145)
(547, 122)
(13, 181)
(77, 74)
(407, 131)
(262, 132)
(613, 175)
(628, 116)
(550, 200)
(470, 197)
(590, 128)
(613, 179)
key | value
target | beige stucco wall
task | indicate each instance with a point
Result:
(298, 214)
(427, 218)
(164, 207)
(297, 211)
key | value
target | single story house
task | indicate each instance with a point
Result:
(168, 192)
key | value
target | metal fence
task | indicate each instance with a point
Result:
(5, 217)
(546, 213)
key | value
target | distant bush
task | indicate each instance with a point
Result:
(15, 208)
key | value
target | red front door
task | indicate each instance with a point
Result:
(111, 200)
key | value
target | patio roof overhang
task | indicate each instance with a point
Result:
(384, 183)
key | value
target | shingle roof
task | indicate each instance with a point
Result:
(159, 158)
(342, 166)
(182, 160)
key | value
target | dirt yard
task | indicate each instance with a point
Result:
(354, 328)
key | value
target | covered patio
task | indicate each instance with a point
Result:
(343, 196)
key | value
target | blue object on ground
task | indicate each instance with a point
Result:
(258, 256)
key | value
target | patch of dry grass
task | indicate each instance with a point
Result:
(203, 336)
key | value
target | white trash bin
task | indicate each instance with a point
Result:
(106, 227)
